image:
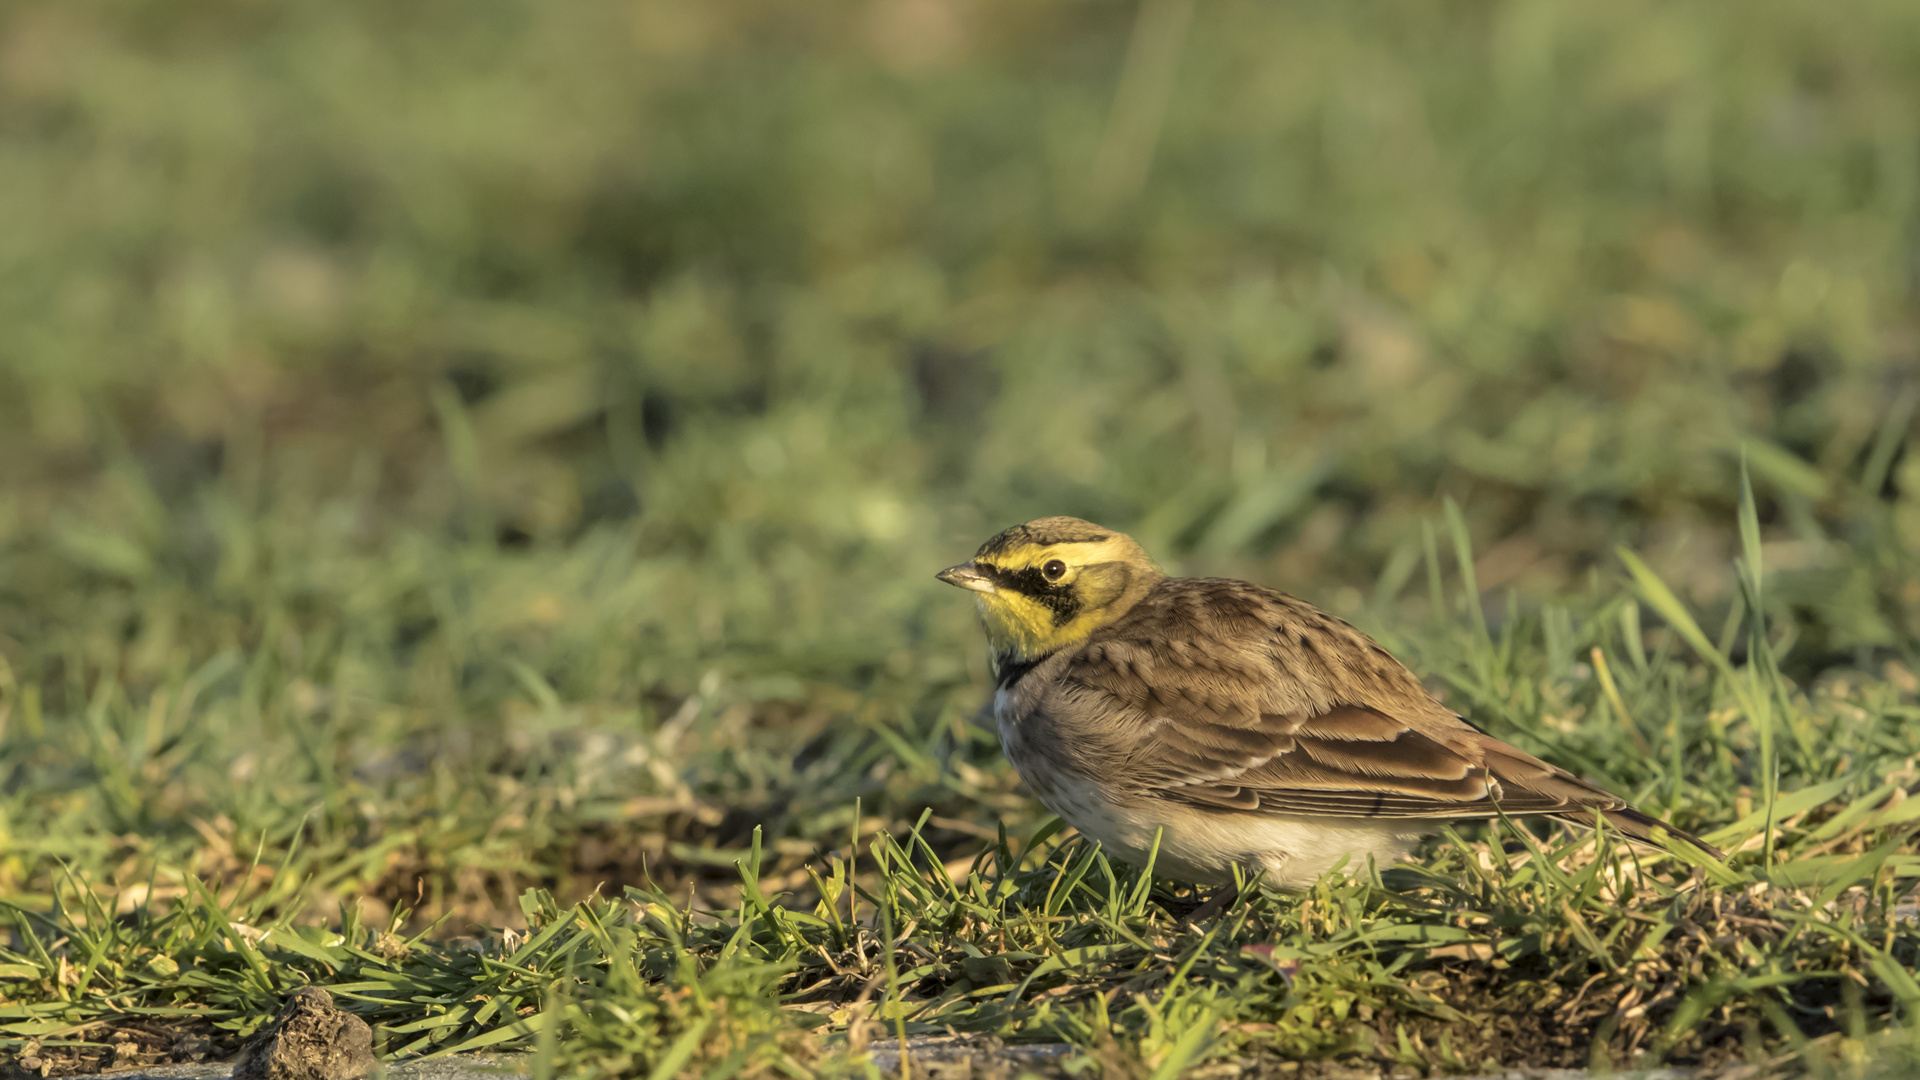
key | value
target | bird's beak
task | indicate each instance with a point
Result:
(966, 577)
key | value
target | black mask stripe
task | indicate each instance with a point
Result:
(1030, 582)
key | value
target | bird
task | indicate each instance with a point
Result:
(1210, 723)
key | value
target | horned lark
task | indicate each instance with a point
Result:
(1243, 726)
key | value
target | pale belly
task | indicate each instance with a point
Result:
(1292, 851)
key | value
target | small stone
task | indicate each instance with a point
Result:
(311, 1040)
(192, 1047)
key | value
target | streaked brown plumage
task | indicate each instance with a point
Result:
(1241, 724)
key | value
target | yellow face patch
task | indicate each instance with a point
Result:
(1046, 596)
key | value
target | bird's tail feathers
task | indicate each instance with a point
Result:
(1640, 827)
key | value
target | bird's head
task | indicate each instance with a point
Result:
(1051, 582)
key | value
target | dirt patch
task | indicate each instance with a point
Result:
(311, 1040)
(125, 1045)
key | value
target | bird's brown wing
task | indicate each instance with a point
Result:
(1235, 698)
(1352, 761)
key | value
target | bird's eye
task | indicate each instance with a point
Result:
(1054, 569)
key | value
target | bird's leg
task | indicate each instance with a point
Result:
(1222, 899)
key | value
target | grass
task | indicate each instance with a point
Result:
(1500, 946)
(470, 479)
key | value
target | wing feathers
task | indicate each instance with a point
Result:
(1224, 695)
(1410, 755)
(1348, 723)
(1354, 761)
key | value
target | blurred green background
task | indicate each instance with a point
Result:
(431, 413)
